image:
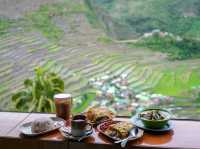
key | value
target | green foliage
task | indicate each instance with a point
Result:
(132, 18)
(42, 18)
(5, 24)
(178, 82)
(196, 92)
(104, 39)
(85, 100)
(189, 48)
(3, 88)
(38, 93)
(91, 14)
(42, 21)
(177, 50)
(198, 98)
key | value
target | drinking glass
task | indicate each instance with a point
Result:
(63, 103)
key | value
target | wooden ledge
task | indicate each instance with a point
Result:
(185, 135)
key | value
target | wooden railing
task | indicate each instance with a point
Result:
(185, 135)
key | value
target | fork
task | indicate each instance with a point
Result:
(133, 134)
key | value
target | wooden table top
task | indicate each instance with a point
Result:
(185, 134)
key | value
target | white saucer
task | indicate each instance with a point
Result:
(66, 132)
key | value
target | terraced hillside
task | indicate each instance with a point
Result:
(79, 55)
(21, 52)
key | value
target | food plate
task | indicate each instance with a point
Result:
(102, 128)
(95, 124)
(136, 121)
(98, 115)
(25, 129)
(66, 132)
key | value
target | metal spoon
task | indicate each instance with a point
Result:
(133, 134)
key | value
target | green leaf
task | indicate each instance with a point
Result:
(28, 83)
(32, 107)
(39, 92)
(40, 104)
(52, 105)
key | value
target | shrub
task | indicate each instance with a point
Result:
(177, 50)
(38, 93)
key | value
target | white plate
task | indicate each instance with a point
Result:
(102, 127)
(26, 128)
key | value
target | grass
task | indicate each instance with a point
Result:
(5, 24)
(3, 88)
(86, 100)
(178, 83)
(42, 19)
(104, 39)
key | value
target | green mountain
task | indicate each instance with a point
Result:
(125, 19)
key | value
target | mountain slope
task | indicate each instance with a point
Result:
(132, 18)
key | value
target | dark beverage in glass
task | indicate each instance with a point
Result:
(63, 103)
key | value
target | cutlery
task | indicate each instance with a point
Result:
(133, 134)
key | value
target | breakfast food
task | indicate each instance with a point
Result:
(98, 115)
(41, 125)
(119, 130)
(154, 115)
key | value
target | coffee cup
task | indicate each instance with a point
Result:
(80, 126)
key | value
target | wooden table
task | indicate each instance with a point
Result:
(185, 135)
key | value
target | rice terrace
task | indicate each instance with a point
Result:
(82, 41)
